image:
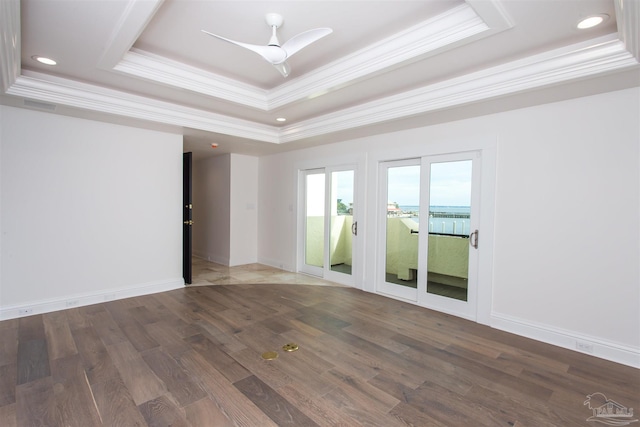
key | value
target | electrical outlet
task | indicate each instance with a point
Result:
(25, 311)
(72, 303)
(584, 347)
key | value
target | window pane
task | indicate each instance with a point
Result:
(340, 246)
(314, 224)
(403, 210)
(449, 219)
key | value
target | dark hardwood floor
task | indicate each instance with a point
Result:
(192, 357)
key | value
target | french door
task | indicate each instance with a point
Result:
(329, 223)
(429, 210)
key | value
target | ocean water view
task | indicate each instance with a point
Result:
(443, 219)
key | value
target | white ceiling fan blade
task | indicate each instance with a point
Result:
(272, 54)
(284, 68)
(304, 39)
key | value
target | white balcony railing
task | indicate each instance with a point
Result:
(448, 255)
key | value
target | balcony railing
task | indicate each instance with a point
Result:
(448, 254)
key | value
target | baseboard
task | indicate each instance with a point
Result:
(275, 264)
(594, 346)
(211, 258)
(80, 300)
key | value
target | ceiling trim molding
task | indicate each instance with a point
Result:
(492, 13)
(598, 56)
(42, 87)
(606, 54)
(159, 69)
(628, 18)
(131, 24)
(445, 30)
(10, 63)
(450, 28)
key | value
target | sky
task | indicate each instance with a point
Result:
(450, 185)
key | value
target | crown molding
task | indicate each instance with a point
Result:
(159, 69)
(9, 42)
(606, 54)
(71, 93)
(449, 28)
(628, 18)
(131, 24)
(492, 13)
(594, 57)
(445, 30)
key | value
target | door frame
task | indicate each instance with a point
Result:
(187, 216)
(303, 267)
(465, 309)
(382, 286)
(329, 274)
(486, 145)
(347, 161)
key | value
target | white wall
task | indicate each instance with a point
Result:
(566, 215)
(225, 198)
(277, 206)
(570, 173)
(244, 211)
(211, 212)
(90, 211)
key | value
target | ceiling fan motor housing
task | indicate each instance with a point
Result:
(274, 20)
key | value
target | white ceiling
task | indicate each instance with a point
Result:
(387, 65)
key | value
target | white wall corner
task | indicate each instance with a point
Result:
(628, 19)
(81, 300)
(275, 264)
(594, 346)
(9, 43)
(492, 13)
(211, 257)
(134, 19)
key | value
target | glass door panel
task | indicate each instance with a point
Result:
(400, 204)
(314, 220)
(449, 219)
(449, 254)
(328, 238)
(342, 227)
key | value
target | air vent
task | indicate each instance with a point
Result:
(39, 105)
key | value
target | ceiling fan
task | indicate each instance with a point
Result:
(275, 54)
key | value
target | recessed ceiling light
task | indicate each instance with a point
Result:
(592, 21)
(281, 119)
(44, 60)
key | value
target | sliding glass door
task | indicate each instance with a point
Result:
(429, 210)
(452, 241)
(400, 213)
(330, 228)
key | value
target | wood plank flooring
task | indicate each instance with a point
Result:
(192, 357)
